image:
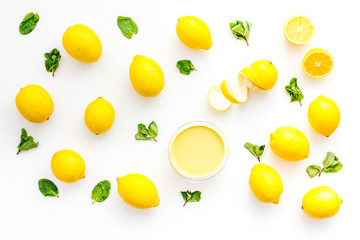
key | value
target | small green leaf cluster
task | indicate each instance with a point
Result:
(191, 196)
(294, 91)
(127, 26)
(52, 61)
(241, 30)
(185, 66)
(149, 133)
(26, 142)
(331, 165)
(28, 24)
(255, 150)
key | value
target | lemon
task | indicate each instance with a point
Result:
(82, 43)
(265, 183)
(324, 115)
(146, 76)
(261, 76)
(217, 100)
(138, 191)
(318, 63)
(299, 29)
(321, 202)
(289, 144)
(99, 116)
(68, 166)
(34, 103)
(194, 33)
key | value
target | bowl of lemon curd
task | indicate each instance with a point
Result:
(198, 151)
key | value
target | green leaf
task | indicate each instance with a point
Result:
(127, 26)
(48, 188)
(140, 136)
(101, 191)
(333, 168)
(240, 30)
(294, 91)
(313, 170)
(28, 24)
(185, 66)
(26, 142)
(52, 60)
(153, 129)
(142, 129)
(329, 159)
(255, 149)
(191, 196)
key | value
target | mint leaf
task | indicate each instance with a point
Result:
(28, 24)
(255, 150)
(142, 129)
(185, 66)
(127, 26)
(140, 136)
(52, 61)
(333, 168)
(313, 170)
(48, 188)
(294, 91)
(329, 159)
(191, 196)
(240, 30)
(153, 129)
(101, 191)
(26, 142)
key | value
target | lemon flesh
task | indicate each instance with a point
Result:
(299, 29)
(289, 144)
(193, 33)
(82, 43)
(146, 76)
(324, 115)
(138, 191)
(68, 166)
(34, 103)
(321, 202)
(318, 63)
(217, 100)
(99, 116)
(265, 183)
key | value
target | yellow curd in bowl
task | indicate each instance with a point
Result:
(198, 151)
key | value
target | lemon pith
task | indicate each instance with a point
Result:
(99, 116)
(34, 103)
(68, 166)
(138, 191)
(217, 100)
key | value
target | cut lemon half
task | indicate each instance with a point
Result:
(318, 63)
(299, 29)
(241, 95)
(217, 99)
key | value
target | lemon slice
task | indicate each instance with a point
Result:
(242, 93)
(318, 63)
(299, 29)
(217, 99)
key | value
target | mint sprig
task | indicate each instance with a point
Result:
(52, 61)
(189, 196)
(255, 150)
(26, 142)
(185, 67)
(241, 30)
(294, 91)
(331, 165)
(145, 133)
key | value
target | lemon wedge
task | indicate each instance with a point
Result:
(217, 99)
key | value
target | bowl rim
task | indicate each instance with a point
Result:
(201, 124)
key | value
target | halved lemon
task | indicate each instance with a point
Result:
(217, 99)
(241, 95)
(318, 63)
(299, 29)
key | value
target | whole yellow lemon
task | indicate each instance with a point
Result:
(321, 202)
(68, 166)
(99, 116)
(146, 76)
(194, 33)
(34, 103)
(138, 191)
(265, 183)
(82, 43)
(324, 115)
(263, 74)
(289, 144)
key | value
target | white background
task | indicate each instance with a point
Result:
(228, 209)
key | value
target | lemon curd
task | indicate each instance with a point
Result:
(197, 151)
